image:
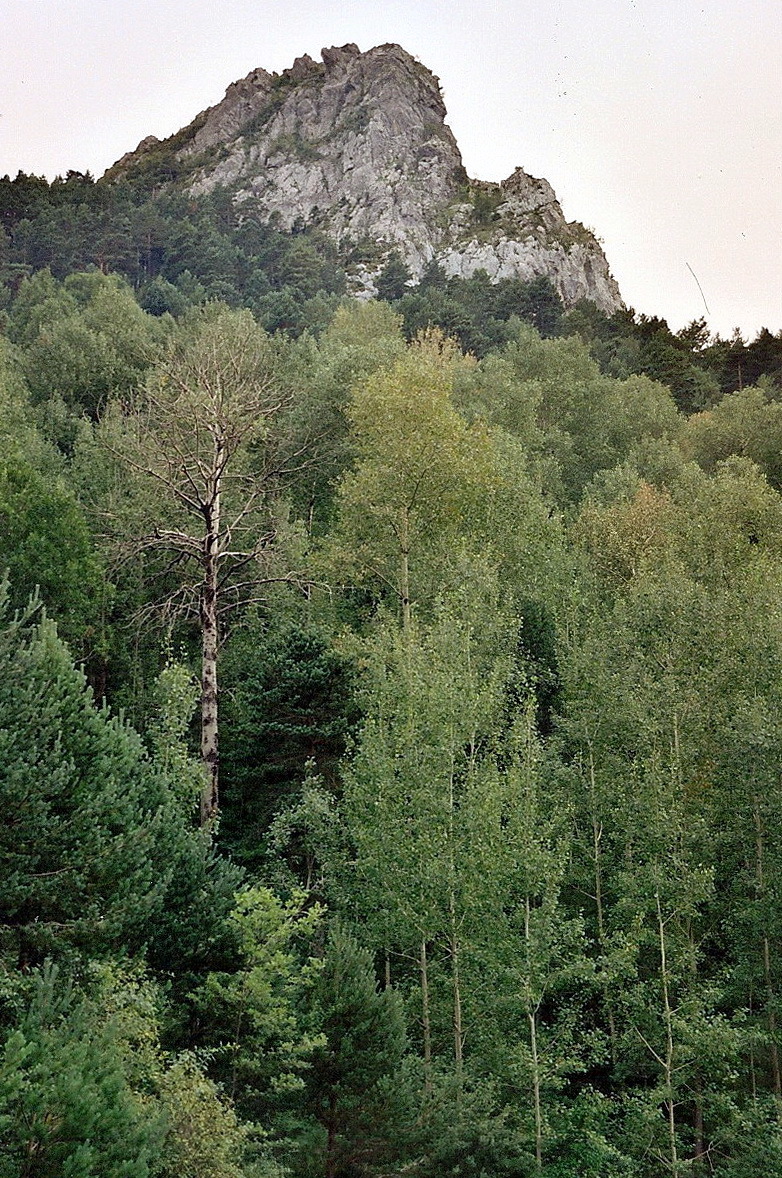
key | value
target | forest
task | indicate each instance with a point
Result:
(389, 714)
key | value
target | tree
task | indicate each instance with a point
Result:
(45, 544)
(200, 438)
(253, 1018)
(747, 423)
(363, 1042)
(393, 280)
(420, 474)
(418, 769)
(87, 1090)
(83, 340)
(588, 421)
(95, 845)
(66, 1106)
(676, 741)
(360, 339)
(288, 711)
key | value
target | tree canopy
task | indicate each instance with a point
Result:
(490, 887)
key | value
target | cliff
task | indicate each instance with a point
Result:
(357, 144)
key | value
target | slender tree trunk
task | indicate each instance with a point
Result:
(753, 1079)
(699, 1149)
(760, 875)
(454, 938)
(457, 1004)
(533, 1039)
(668, 1065)
(772, 1026)
(597, 834)
(425, 1019)
(532, 1019)
(404, 567)
(209, 646)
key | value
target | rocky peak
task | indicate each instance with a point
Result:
(301, 67)
(357, 144)
(335, 57)
(221, 123)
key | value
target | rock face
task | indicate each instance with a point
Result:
(357, 145)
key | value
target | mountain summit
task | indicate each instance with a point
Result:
(357, 145)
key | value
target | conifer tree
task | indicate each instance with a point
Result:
(350, 1087)
(96, 848)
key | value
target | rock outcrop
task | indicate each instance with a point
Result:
(357, 145)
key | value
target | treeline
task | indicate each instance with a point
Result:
(176, 251)
(492, 887)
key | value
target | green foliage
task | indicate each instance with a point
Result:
(46, 548)
(94, 850)
(66, 1104)
(360, 339)
(420, 474)
(392, 281)
(204, 1137)
(543, 803)
(287, 714)
(84, 340)
(485, 201)
(86, 1088)
(177, 697)
(204, 248)
(350, 1087)
(253, 1018)
(292, 144)
(588, 422)
(747, 423)
(161, 297)
(478, 313)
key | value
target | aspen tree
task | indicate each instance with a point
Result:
(420, 474)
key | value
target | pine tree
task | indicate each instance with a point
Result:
(349, 1088)
(96, 847)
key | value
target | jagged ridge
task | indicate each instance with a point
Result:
(357, 144)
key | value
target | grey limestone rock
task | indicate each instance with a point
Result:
(357, 144)
(130, 157)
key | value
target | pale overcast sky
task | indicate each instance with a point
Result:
(658, 122)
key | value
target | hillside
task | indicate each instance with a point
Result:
(390, 686)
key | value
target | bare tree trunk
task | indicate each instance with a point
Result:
(209, 643)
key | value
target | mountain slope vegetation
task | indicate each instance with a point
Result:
(489, 886)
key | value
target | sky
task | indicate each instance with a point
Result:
(658, 122)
